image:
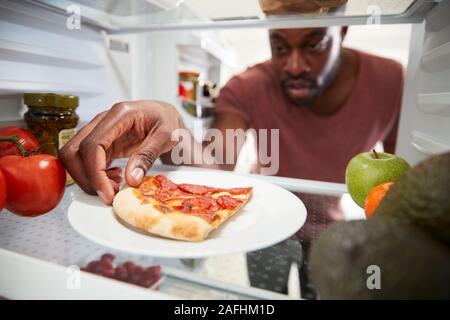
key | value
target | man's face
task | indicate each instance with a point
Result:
(305, 61)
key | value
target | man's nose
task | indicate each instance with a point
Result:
(296, 64)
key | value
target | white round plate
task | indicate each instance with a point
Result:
(272, 215)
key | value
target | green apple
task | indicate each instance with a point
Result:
(369, 169)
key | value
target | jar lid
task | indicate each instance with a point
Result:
(50, 100)
(189, 74)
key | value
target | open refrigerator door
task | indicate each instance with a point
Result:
(110, 51)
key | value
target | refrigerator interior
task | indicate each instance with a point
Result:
(135, 51)
(104, 64)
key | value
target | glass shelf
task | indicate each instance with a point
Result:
(276, 272)
(152, 15)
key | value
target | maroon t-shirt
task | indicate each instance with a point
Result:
(319, 147)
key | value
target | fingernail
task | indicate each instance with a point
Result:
(102, 196)
(137, 174)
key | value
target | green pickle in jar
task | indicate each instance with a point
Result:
(52, 119)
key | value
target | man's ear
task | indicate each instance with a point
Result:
(343, 32)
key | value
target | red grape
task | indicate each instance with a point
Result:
(109, 273)
(121, 273)
(126, 272)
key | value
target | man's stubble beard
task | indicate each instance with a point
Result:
(319, 90)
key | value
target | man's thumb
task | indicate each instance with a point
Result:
(139, 163)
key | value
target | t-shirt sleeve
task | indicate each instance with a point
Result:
(234, 98)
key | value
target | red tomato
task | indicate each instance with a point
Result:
(28, 140)
(35, 184)
(2, 191)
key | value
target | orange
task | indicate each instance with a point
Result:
(374, 197)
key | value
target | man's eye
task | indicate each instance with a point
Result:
(280, 49)
(316, 46)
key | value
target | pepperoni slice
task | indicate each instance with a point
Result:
(196, 189)
(197, 204)
(201, 206)
(227, 202)
(166, 189)
(165, 183)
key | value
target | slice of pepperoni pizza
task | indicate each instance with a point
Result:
(179, 211)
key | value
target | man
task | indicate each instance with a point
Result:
(328, 102)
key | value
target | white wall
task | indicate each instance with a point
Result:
(251, 46)
(390, 41)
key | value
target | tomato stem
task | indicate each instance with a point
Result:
(16, 141)
(376, 154)
(35, 152)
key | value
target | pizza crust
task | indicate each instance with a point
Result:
(147, 218)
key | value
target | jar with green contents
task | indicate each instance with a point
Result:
(52, 119)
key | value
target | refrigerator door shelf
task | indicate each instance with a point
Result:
(155, 15)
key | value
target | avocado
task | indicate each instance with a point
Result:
(347, 255)
(422, 197)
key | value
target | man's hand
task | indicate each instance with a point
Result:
(140, 130)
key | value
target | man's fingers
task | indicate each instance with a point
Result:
(138, 128)
(144, 158)
(70, 156)
(94, 158)
(115, 186)
(86, 130)
(115, 174)
(140, 163)
(111, 127)
(75, 167)
(95, 146)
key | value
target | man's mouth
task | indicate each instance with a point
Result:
(298, 93)
(298, 89)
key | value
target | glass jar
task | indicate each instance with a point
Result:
(188, 83)
(52, 119)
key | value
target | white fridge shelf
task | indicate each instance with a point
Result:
(141, 16)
